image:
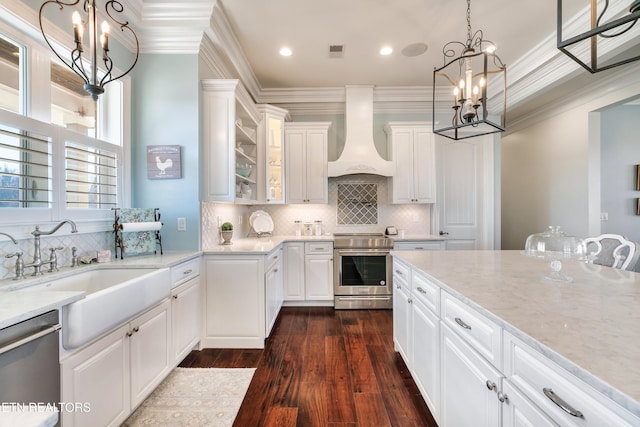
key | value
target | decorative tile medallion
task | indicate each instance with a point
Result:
(357, 204)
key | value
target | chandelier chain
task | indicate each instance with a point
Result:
(468, 19)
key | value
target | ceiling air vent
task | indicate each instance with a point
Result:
(336, 51)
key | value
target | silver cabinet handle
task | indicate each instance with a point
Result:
(502, 397)
(422, 291)
(175, 297)
(410, 301)
(189, 271)
(398, 286)
(491, 385)
(561, 403)
(399, 272)
(460, 322)
(419, 248)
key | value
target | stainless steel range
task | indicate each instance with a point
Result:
(362, 271)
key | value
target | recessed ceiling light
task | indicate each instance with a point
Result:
(414, 49)
(285, 51)
(386, 51)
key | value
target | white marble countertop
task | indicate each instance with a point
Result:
(262, 245)
(18, 306)
(591, 326)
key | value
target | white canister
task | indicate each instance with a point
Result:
(317, 228)
(298, 225)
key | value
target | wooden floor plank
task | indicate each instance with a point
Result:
(312, 405)
(281, 417)
(371, 410)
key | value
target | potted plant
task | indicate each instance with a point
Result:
(226, 231)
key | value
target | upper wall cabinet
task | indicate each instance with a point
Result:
(306, 162)
(230, 149)
(412, 149)
(271, 149)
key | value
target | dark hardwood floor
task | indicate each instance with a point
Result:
(325, 367)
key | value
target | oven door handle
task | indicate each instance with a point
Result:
(361, 252)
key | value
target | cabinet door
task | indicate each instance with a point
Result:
(271, 297)
(467, 392)
(235, 302)
(425, 347)
(151, 358)
(294, 272)
(518, 411)
(402, 181)
(295, 164)
(316, 171)
(275, 159)
(99, 376)
(318, 277)
(401, 319)
(424, 172)
(185, 318)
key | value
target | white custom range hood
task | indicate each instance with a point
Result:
(359, 154)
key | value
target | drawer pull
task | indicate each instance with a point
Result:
(491, 385)
(422, 291)
(561, 403)
(399, 272)
(189, 271)
(460, 322)
(502, 397)
(419, 248)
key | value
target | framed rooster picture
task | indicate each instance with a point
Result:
(163, 162)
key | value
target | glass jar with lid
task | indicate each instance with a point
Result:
(298, 227)
(317, 228)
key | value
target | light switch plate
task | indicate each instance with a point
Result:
(182, 224)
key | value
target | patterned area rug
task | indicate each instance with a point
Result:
(194, 397)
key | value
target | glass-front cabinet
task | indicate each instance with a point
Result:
(272, 141)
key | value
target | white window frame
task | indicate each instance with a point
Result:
(20, 23)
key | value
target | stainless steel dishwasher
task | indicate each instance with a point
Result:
(29, 361)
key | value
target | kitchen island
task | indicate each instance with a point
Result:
(588, 327)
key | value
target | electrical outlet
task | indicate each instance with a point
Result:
(604, 216)
(182, 224)
(239, 219)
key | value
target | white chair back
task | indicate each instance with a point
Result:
(613, 250)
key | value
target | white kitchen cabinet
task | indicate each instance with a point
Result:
(271, 143)
(412, 149)
(100, 376)
(469, 385)
(151, 359)
(230, 122)
(402, 317)
(274, 288)
(234, 301)
(425, 354)
(186, 317)
(294, 271)
(560, 395)
(420, 245)
(518, 411)
(318, 271)
(186, 306)
(306, 162)
(117, 372)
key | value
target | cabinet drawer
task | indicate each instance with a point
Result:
(182, 272)
(427, 292)
(324, 248)
(419, 246)
(484, 335)
(400, 271)
(273, 257)
(552, 388)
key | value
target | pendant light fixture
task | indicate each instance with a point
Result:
(472, 70)
(596, 37)
(84, 62)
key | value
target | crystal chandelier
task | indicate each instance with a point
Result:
(471, 69)
(591, 36)
(85, 63)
